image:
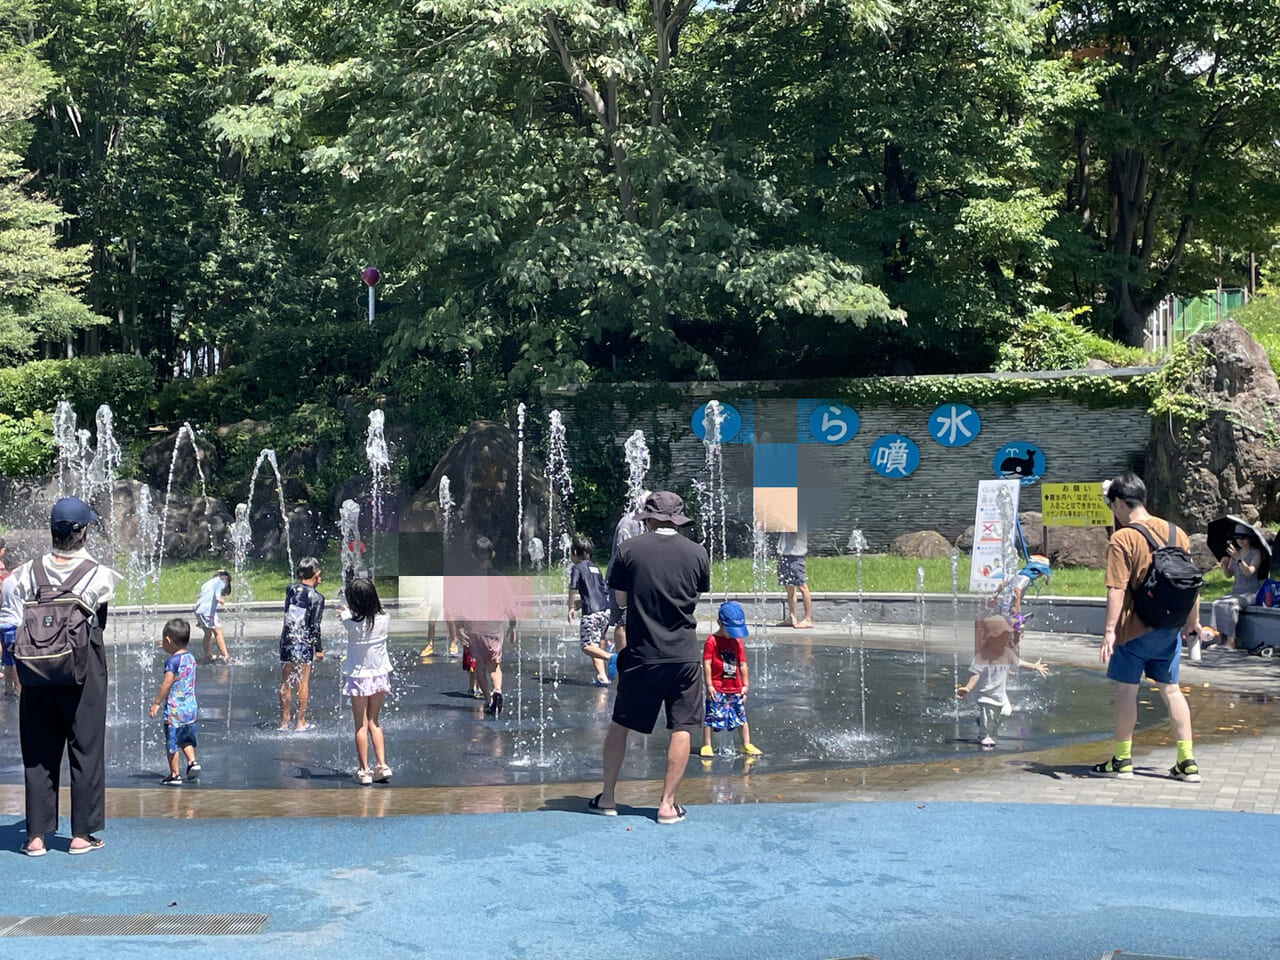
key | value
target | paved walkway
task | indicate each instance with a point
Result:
(987, 856)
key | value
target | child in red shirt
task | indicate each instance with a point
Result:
(724, 672)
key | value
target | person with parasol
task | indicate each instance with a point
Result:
(1245, 556)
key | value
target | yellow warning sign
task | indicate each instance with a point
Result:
(1074, 505)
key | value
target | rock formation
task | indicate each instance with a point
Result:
(481, 466)
(1229, 463)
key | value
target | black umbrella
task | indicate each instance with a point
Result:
(1221, 532)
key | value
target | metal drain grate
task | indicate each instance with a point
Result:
(134, 925)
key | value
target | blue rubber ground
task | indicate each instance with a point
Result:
(791, 882)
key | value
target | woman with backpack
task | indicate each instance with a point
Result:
(60, 603)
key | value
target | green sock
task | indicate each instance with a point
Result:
(1184, 750)
(1124, 750)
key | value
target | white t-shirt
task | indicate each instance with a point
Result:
(366, 646)
(99, 587)
(793, 544)
(210, 591)
(8, 605)
(993, 680)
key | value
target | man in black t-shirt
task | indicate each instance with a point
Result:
(657, 578)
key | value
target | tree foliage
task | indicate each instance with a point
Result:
(1172, 164)
(39, 279)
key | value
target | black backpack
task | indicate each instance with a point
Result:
(51, 647)
(1171, 585)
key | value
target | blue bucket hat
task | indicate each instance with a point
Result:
(733, 619)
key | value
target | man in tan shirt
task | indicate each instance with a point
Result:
(1129, 647)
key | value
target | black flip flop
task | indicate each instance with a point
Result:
(594, 806)
(666, 821)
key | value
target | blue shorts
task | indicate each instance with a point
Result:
(1155, 653)
(725, 711)
(178, 736)
(8, 635)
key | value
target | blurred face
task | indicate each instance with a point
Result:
(168, 646)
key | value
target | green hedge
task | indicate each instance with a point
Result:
(127, 383)
(26, 445)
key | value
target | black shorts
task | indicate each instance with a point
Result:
(303, 652)
(644, 688)
(615, 611)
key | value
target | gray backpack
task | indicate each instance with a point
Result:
(51, 647)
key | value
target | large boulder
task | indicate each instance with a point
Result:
(156, 460)
(921, 545)
(1230, 463)
(1078, 547)
(193, 526)
(482, 469)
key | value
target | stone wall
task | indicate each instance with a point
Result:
(842, 492)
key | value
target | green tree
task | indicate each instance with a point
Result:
(533, 179)
(39, 280)
(1173, 160)
(919, 149)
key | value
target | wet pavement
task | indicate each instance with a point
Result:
(807, 709)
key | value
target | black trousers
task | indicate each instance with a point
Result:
(75, 718)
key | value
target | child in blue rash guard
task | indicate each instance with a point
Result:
(177, 694)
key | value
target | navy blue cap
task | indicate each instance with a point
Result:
(733, 619)
(71, 513)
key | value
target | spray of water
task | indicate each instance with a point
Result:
(712, 496)
(376, 452)
(269, 456)
(955, 626)
(924, 660)
(349, 531)
(519, 487)
(760, 563)
(636, 452)
(64, 438)
(447, 503)
(184, 431)
(241, 534)
(858, 544)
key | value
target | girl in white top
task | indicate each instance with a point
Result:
(366, 675)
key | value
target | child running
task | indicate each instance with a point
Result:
(991, 681)
(212, 596)
(366, 675)
(724, 673)
(177, 693)
(300, 641)
(587, 590)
